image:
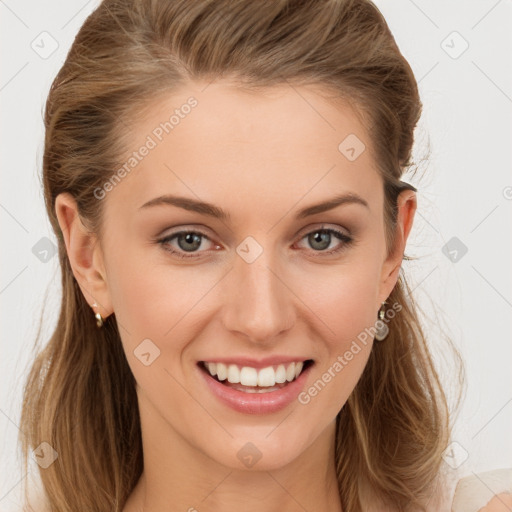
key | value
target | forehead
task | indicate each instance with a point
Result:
(220, 143)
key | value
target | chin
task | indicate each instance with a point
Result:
(266, 452)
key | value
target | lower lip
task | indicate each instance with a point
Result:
(256, 403)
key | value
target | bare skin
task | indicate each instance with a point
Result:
(500, 503)
(261, 157)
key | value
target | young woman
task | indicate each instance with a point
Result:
(236, 329)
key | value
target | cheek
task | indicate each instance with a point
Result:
(145, 305)
(151, 313)
(148, 298)
(345, 305)
(344, 300)
(160, 303)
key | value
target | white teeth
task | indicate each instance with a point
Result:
(233, 374)
(266, 377)
(280, 374)
(222, 371)
(248, 376)
(290, 372)
(212, 367)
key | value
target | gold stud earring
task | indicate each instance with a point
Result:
(382, 330)
(99, 318)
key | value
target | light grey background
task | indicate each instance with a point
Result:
(465, 192)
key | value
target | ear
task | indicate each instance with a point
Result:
(407, 204)
(85, 255)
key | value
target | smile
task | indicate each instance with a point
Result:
(250, 378)
(255, 390)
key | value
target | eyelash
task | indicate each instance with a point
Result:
(343, 237)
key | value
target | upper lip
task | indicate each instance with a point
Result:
(257, 363)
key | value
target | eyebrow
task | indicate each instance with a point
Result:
(211, 210)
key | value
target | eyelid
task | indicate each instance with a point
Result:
(321, 226)
(196, 228)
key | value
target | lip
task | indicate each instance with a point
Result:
(255, 403)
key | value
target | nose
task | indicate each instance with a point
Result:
(258, 301)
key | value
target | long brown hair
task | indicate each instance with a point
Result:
(80, 394)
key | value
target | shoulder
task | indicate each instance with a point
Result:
(485, 492)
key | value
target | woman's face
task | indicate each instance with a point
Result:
(236, 271)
